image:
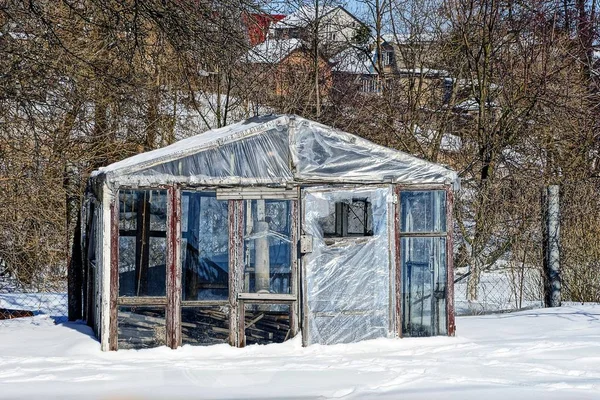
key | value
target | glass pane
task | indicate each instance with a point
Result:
(142, 242)
(205, 325)
(204, 246)
(349, 217)
(423, 211)
(267, 246)
(423, 286)
(267, 323)
(141, 327)
(360, 218)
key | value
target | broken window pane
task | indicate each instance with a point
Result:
(267, 323)
(423, 211)
(204, 246)
(348, 218)
(141, 327)
(267, 246)
(205, 325)
(142, 242)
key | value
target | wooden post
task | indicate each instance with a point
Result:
(294, 308)
(236, 266)
(450, 263)
(173, 311)
(114, 274)
(398, 263)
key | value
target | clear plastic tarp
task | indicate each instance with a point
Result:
(276, 149)
(348, 273)
(265, 156)
(323, 153)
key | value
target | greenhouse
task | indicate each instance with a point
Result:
(263, 230)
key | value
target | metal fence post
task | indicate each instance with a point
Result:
(552, 245)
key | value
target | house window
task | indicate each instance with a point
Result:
(448, 86)
(349, 219)
(388, 58)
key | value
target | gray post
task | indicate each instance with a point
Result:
(551, 246)
(74, 267)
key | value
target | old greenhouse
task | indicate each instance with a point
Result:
(265, 229)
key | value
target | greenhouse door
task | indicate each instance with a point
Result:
(423, 262)
(346, 264)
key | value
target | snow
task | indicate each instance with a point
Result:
(303, 16)
(53, 304)
(272, 51)
(538, 354)
(354, 61)
(409, 38)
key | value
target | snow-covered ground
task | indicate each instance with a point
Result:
(539, 354)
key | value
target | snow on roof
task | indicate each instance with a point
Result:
(303, 16)
(274, 149)
(272, 51)
(423, 71)
(354, 61)
(407, 38)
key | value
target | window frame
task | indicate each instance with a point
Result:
(342, 217)
(172, 301)
(447, 234)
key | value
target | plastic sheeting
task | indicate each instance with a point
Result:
(323, 153)
(263, 156)
(347, 278)
(277, 149)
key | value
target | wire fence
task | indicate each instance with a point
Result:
(504, 288)
(18, 299)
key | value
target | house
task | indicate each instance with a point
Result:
(288, 66)
(404, 64)
(337, 27)
(258, 26)
(265, 229)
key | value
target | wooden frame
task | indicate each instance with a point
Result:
(114, 273)
(449, 253)
(241, 326)
(237, 296)
(173, 277)
(173, 311)
(450, 262)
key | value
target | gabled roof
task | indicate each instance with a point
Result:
(354, 61)
(272, 51)
(274, 150)
(306, 14)
(303, 16)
